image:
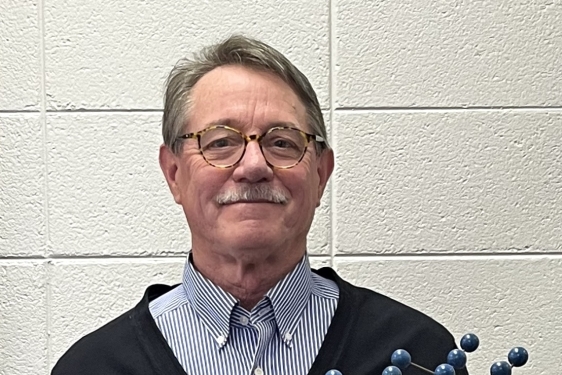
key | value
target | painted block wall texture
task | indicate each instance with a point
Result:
(446, 120)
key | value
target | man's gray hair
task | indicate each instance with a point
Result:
(236, 50)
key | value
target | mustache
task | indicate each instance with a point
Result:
(252, 193)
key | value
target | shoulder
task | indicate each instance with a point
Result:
(118, 344)
(368, 319)
(374, 305)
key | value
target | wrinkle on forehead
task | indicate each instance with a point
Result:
(245, 98)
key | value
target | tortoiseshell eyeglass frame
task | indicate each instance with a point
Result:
(254, 137)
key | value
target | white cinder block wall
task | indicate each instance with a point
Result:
(446, 120)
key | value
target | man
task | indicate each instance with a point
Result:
(246, 156)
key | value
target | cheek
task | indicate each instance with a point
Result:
(199, 186)
(304, 190)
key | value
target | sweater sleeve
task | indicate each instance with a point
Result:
(129, 345)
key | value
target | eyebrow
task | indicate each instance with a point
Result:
(236, 124)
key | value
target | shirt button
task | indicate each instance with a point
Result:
(243, 320)
(221, 339)
(258, 371)
(288, 336)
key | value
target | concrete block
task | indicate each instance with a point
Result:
(22, 196)
(86, 294)
(23, 318)
(101, 178)
(460, 181)
(107, 193)
(19, 48)
(506, 301)
(438, 53)
(115, 54)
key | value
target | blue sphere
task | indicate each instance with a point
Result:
(392, 370)
(333, 372)
(445, 369)
(470, 342)
(518, 356)
(500, 368)
(457, 359)
(401, 359)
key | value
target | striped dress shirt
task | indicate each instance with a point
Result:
(210, 333)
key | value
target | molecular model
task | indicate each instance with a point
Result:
(456, 360)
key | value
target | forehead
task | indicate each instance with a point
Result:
(244, 98)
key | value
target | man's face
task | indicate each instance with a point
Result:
(252, 102)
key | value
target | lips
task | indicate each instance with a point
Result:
(252, 201)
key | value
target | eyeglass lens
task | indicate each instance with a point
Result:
(280, 147)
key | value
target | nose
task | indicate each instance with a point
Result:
(252, 168)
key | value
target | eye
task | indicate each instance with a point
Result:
(220, 143)
(283, 143)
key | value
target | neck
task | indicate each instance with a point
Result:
(248, 280)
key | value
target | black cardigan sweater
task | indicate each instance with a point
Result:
(366, 328)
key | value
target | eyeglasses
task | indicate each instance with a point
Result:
(282, 147)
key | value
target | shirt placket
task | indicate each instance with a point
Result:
(266, 332)
(266, 329)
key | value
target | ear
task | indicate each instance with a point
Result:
(169, 165)
(325, 168)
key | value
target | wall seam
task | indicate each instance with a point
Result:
(43, 117)
(106, 110)
(449, 109)
(19, 111)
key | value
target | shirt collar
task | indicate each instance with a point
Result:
(210, 302)
(289, 298)
(214, 306)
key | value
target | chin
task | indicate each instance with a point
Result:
(255, 235)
